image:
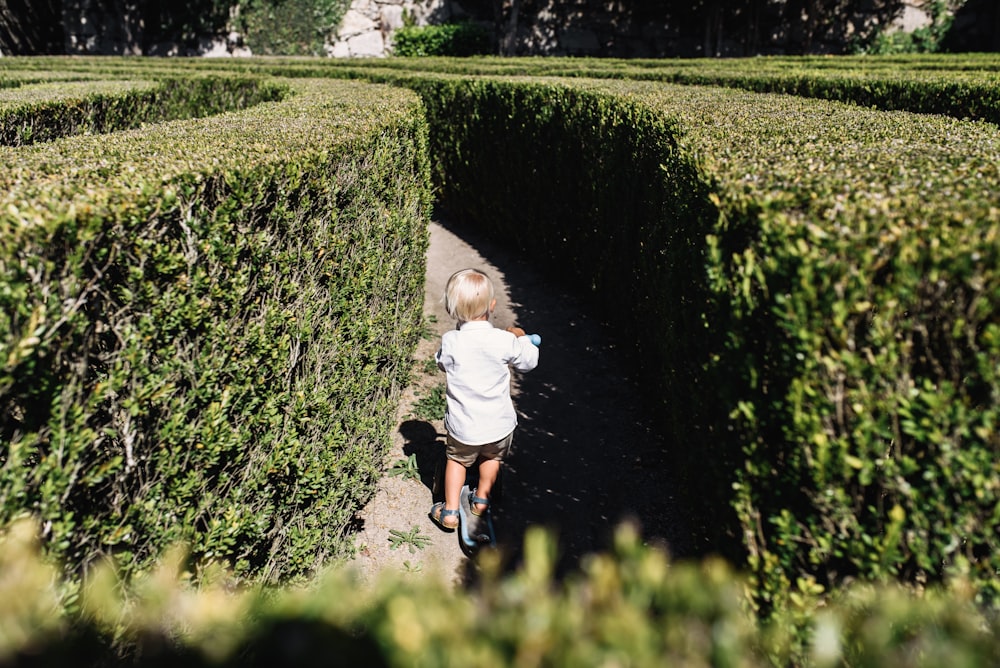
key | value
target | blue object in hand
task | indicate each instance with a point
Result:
(536, 339)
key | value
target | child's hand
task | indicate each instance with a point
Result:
(516, 331)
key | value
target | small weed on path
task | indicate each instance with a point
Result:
(431, 406)
(430, 366)
(415, 539)
(407, 468)
(428, 333)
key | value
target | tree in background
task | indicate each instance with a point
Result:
(181, 22)
(716, 28)
(30, 27)
(268, 27)
(812, 23)
(286, 27)
(289, 27)
(976, 27)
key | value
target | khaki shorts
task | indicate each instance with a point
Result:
(467, 455)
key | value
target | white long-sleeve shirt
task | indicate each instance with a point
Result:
(477, 359)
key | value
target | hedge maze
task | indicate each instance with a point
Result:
(212, 282)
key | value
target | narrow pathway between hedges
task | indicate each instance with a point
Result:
(584, 458)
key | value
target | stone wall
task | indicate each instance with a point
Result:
(913, 17)
(558, 29)
(368, 25)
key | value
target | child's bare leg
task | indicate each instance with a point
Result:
(454, 478)
(489, 469)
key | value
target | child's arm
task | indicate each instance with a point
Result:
(525, 353)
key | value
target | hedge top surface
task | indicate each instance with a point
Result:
(824, 157)
(36, 69)
(66, 91)
(14, 77)
(980, 68)
(816, 156)
(944, 69)
(322, 114)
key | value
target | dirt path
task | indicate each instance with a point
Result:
(582, 450)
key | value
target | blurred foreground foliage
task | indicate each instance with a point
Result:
(629, 607)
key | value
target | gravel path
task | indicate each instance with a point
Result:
(584, 458)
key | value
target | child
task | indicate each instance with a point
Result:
(480, 417)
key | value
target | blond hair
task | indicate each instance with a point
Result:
(469, 295)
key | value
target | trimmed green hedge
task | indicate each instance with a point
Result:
(205, 324)
(957, 86)
(854, 259)
(16, 72)
(811, 288)
(29, 94)
(43, 112)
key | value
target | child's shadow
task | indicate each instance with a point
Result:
(422, 440)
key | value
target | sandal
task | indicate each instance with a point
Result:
(439, 513)
(478, 500)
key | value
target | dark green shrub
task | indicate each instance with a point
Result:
(449, 39)
(926, 39)
(290, 27)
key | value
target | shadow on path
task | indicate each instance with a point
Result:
(585, 456)
(422, 440)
